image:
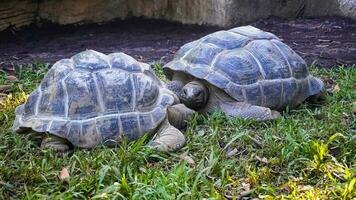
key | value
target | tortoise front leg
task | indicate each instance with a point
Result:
(248, 111)
(167, 138)
(59, 144)
(178, 115)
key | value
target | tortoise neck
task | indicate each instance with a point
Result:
(175, 87)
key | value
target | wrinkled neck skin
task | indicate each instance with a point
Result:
(178, 81)
(175, 87)
(216, 99)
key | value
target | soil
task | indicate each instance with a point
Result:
(325, 42)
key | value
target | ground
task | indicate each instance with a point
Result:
(307, 154)
(325, 42)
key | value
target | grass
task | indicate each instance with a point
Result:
(308, 154)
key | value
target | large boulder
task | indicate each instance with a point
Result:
(212, 12)
(17, 13)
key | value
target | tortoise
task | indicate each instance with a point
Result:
(244, 72)
(93, 98)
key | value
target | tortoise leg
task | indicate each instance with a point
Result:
(57, 143)
(248, 111)
(167, 138)
(178, 115)
(317, 99)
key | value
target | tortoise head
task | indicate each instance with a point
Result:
(194, 95)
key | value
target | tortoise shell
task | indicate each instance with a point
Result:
(250, 65)
(93, 98)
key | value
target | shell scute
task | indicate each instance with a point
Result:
(272, 62)
(124, 62)
(226, 39)
(185, 48)
(30, 106)
(236, 91)
(58, 72)
(158, 115)
(82, 96)
(272, 93)
(130, 126)
(108, 127)
(60, 128)
(199, 70)
(52, 101)
(253, 33)
(146, 123)
(298, 66)
(253, 94)
(289, 89)
(217, 79)
(146, 92)
(239, 67)
(74, 132)
(90, 60)
(203, 54)
(116, 90)
(89, 137)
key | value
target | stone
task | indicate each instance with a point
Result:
(222, 13)
(17, 13)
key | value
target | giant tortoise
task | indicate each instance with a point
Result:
(93, 98)
(244, 72)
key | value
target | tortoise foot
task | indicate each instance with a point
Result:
(60, 145)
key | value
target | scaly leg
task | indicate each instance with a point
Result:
(178, 115)
(248, 111)
(58, 144)
(167, 138)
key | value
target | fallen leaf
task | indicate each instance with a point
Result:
(11, 78)
(187, 158)
(246, 186)
(231, 152)
(4, 88)
(64, 174)
(336, 89)
(303, 188)
(201, 133)
(263, 160)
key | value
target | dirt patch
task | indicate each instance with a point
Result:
(325, 41)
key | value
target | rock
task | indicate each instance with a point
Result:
(18, 13)
(348, 8)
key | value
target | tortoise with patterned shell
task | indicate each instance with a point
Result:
(93, 99)
(244, 72)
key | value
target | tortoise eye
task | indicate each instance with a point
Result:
(198, 93)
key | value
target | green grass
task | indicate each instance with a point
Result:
(308, 154)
